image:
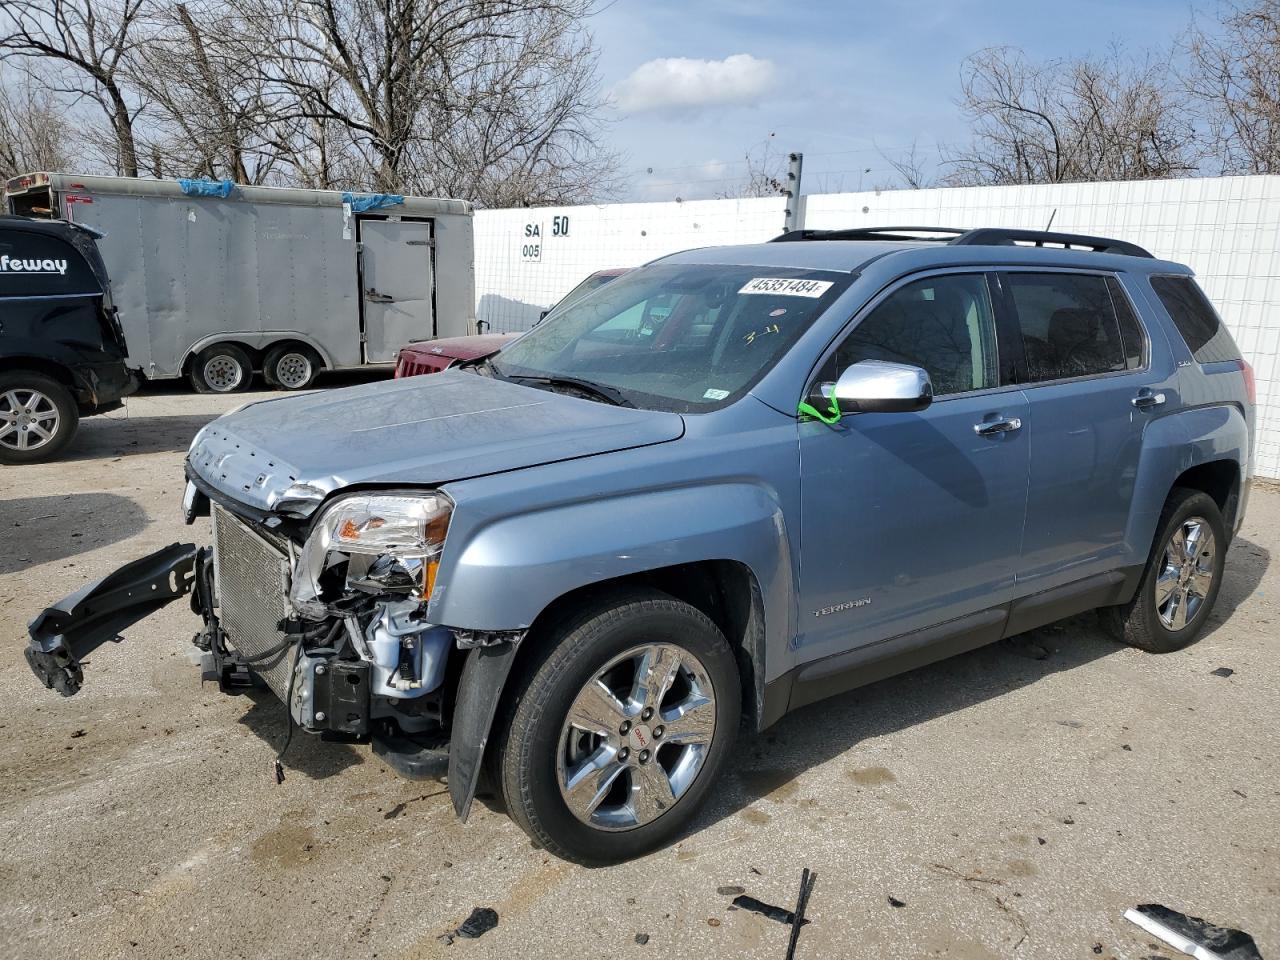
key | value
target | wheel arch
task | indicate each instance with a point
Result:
(42, 365)
(1205, 448)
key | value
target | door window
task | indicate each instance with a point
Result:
(1070, 325)
(942, 324)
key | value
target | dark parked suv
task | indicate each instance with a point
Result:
(62, 354)
(724, 486)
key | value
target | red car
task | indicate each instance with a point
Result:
(432, 356)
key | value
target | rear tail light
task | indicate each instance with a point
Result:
(1250, 387)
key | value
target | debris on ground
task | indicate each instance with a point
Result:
(642, 938)
(895, 902)
(481, 921)
(1222, 672)
(807, 880)
(712, 922)
(781, 914)
(731, 891)
(1192, 935)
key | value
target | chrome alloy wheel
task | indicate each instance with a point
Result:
(293, 370)
(28, 419)
(636, 737)
(1187, 575)
(222, 373)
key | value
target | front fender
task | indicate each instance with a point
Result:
(1172, 445)
(499, 575)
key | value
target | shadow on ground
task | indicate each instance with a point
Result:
(38, 530)
(817, 733)
(307, 754)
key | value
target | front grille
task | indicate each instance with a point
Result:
(251, 578)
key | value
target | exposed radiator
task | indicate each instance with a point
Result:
(251, 578)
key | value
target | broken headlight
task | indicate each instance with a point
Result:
(371, 544)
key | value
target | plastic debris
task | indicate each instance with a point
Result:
(1222, 672)
(642, 938)
(895, 902)
(781, 914)
(807, 880)
(1193, 936)
(481, 921)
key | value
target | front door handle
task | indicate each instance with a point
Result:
(1147, 398)
(989, 428)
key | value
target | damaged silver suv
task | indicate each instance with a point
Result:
(722, 487)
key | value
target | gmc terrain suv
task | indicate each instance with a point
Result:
(579, 566)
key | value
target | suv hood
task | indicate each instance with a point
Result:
(421, 430)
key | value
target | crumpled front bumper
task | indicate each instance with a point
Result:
(64, 634)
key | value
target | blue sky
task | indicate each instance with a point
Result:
(839, 80)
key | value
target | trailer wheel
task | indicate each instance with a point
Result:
(38, 417)
(291, 366)
(222, 368)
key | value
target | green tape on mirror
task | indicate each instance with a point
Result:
(831, 416)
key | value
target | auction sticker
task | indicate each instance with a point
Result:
(783, 286)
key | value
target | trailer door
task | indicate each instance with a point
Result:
(397, 277)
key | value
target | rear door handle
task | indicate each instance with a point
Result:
(1146, 399)
(989, 428)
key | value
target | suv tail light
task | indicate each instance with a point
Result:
(1250, 388)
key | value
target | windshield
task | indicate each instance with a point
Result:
(677, 337)
(581, 290)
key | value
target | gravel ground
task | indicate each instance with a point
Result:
(1012, 802)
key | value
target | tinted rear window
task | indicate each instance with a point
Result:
(38, 265)
(1195, 318)
(1070, 327)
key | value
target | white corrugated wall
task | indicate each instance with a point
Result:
(1226, 228)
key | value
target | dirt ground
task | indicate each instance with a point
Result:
(1012, 802)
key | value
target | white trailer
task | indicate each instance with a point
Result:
(214, 281)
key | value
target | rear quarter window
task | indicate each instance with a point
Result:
(38, 265)
(1197, 321)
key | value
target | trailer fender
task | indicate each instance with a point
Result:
(256, 340)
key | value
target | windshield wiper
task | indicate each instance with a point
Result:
(599, 390)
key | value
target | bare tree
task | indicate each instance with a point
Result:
(86, 42)
(493, 99)
(1233, 73)
(766, 173)
(1090, 119)
(32, 137)
(209, 111)
(909, 165)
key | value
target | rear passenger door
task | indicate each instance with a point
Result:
(1087, 376)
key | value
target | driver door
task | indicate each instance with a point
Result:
(910, 520)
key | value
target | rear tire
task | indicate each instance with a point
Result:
(291, 366)
(221, 368)
(38, 417)
(1183, 576)
(660, 746)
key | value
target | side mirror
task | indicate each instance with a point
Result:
(876, 386)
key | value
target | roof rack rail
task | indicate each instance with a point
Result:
(982, 237)
(870, 233)
(998, 236)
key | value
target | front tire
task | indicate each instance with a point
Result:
(1183, 576)
(222, 368)
(38, 417)
(619, 727)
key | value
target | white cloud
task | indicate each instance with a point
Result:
(683, 83)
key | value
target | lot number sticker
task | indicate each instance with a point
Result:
(781, 286)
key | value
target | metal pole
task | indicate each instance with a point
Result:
(792, 192)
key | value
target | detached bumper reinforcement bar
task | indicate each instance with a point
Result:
(64, 634)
